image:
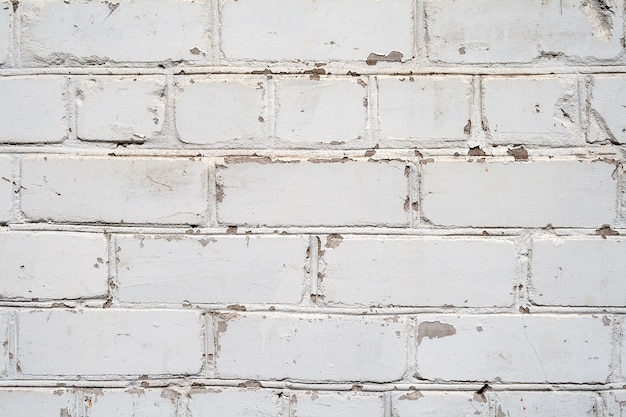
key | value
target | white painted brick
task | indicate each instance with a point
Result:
(275, 30)
(438, 404)
(223, 110)
(234, 403)
(545, 404)
(6, 188)
(33, 110)
(109, 342)
(318, 348)
(124, 109)
(5, 31)
(423, 108)
(217, 269)
(615, 401)
(34, 402)
(386, 270)
(337, 404)
(133, 402)
(321, 111)
(96, 33)
(532, 110)
(114, 190)
(53, 265)
(520, 348)
(519, 193)
(308, 193)
(578, 271)
(608, 109)
(519, 31)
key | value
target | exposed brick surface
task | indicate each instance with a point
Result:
(312, 208)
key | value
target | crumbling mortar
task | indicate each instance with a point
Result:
(616, 349)
(212, 193)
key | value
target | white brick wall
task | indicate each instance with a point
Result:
(411, 272)
(115, 345)
(408, 109)
(167, 30)
(519, 193)
(532, 110)
(519, 32)
(28, 402)
(221, 109)
(326, 30)
(6, 188)
(279, 347)
(33, 110)
(314, 192)
(82, 256)
(212, 269)
(312, 208)
(517, 348)
(321, 110)
(425, 403)
(129, 109)
(114, 190)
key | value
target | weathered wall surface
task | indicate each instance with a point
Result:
(298, 208)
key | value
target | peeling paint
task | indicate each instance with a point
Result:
(411, 395)
(393, 56)
(434, 330)
(333, 240)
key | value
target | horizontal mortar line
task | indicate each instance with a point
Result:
(191, 383)
(258, 68)
(243, 230)
(337, 310)
(404, 154)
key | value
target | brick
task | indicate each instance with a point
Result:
(234, 402)
(608, 109)
(5, 32)
(222, 110)
(615, 401)
(37, 402)
(317, 348)
(53, 265)
(96, 33)
(488, 31)
(133, 402)
(6, 188)
(109, 342)
(218, 269)
(435, 404)
(120, 109)
(424, 108)
(321, 111)
(114, 190)
(545, 404)
(400, 271)
(308, 193)
(520, 348)
(532, 110)
(337, 404)
(315, 30)
(519, 193)
(33, 110)
(578, 272)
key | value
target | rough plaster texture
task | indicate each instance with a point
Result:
(312, 208)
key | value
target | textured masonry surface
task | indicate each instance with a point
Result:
(312, 208)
